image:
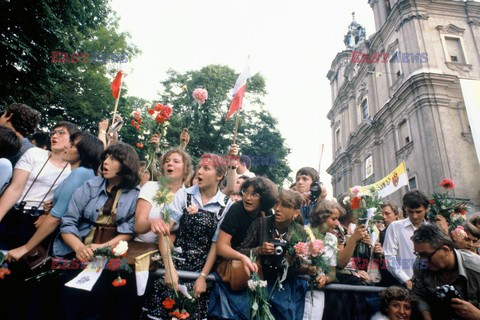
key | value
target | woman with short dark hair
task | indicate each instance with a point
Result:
(101, 213)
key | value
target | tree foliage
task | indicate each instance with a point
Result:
(257, 134)
(31, 30)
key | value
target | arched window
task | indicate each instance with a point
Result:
(364, 109)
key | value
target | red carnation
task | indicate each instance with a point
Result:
(137, 127)
(158, 107)
(151, 111)
(119, 282)
(160, 119)
(432, 202)
(447, 184)
(133, 122)
(139, 145)
(168, 303)
(355, 203)
(166, 111)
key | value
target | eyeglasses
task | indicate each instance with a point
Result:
(60, 132)
(423, 255)
(254, 195)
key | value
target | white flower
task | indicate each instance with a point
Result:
(146, 132)
(346, 200)
(141, 137)
(251, 285)
(147, 105)
(120, 248)
(263, 283)
(147, 157)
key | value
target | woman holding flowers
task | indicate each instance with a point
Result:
(324, 218)
(101, 213)
(176, 165)
(263, 241)
(196, 211)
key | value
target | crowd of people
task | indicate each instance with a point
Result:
(75, 193)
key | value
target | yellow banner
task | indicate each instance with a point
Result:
(392, 182)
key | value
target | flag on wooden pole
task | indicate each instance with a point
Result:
(238, 92)
(116, 84)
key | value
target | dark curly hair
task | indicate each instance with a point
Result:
(393, 293)
(23, 118)
(10, 143)
(414, 199)
(267, 190)
(128, 158)
(433, 235)
(89, 148)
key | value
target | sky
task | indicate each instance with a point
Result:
(291, 43)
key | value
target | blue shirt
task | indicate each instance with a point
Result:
(84, 208)
(180, 202)
(305, 211)
(65, 190)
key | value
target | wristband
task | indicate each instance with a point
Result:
(203, 275)
(103, 132)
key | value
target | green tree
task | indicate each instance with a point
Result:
(257, 134)
(31, 30)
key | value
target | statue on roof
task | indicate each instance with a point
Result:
(356, 33)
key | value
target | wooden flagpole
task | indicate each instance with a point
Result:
(320, 161)
(237, 120)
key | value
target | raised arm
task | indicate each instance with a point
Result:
(14, 191)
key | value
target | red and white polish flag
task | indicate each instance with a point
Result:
(238, 92)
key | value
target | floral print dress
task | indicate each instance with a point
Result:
(191, 248)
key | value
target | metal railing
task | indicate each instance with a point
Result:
(189, 275)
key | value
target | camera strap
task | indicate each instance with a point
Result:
(36, 177)
(50, 189)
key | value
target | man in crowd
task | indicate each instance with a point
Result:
(244, 166)
(23, 120)
(304, 178)
(442, 265)
(398, 246)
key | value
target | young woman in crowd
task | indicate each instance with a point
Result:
(36, 176)
(258, 197)
(344, 305)
(395, 304)
(288, 302)
(324, 217)
(466, 237)
(390, 213)
(196, 211)
(83, 155)
(101, 213)
(176, 165)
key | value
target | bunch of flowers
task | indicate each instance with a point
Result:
(310, 250)
(184, 304)
(151, 120)
(200, 95)
(115, 256)
(365, 206)
(257, 293)
(452, 209)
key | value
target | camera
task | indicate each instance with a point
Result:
(20, 207)
(280, 247)
(315, 191)
(446, 293)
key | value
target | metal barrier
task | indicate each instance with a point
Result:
(329, 287)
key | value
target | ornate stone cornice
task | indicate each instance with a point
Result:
(450, 29)
(474, 21)
(410, 16)
(405, 151)
(462, 68)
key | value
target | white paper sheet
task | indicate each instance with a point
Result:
(88, 277)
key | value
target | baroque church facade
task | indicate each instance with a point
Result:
(396, 96)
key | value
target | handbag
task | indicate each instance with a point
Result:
(233, 273)
(38, 257)
(137, 248)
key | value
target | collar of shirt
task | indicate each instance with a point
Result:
(408, 223)
(217, 199)
(101, 185)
